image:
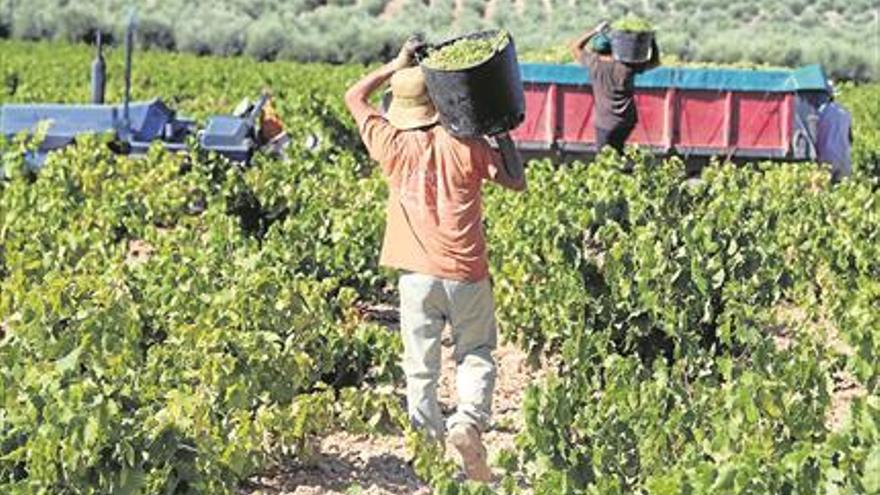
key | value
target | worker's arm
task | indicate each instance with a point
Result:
(377, 134)
(577, 46)
(511, 173)
(357, 97)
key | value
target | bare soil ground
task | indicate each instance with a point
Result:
(845, 388)
(139, 251)
(457, 9)
(491, 6)
(376, 464)
(392, 8)
(346, 463)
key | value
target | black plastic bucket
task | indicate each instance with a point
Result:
(485, 99)
(631, 47)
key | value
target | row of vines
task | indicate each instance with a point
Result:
(785, 32)
(178, 324)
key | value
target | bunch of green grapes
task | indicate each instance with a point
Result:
(467, 52)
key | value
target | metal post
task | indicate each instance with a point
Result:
(670, 119)
(730, 121)
(553, 124)
(99, 74)
(129, 42)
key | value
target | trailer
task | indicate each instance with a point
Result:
(133, 126)
(696, 113)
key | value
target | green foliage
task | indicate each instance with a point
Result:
(782, 33)
(661, 297)
(77, 24)
(633, 24)
(176, 324)
(861, 101)
(182, 370)
(155, 31)
(265, 39)
(225, 37)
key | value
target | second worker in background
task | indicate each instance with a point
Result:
(615, 108)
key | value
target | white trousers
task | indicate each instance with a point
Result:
(427, 303)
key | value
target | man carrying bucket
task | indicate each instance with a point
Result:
(834, 137)
(434, 235)
(615, 109)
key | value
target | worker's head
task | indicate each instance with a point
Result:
(410, 106)
(831, 89)
(601, 44)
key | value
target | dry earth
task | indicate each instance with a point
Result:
(374, 465)
(457, 9)
(392, 8)
(489, 11)
(139, 251)
(845, 388)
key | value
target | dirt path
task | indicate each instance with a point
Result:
(489, 13)
(392, 8)
(456, 10)
(376, 465)
(139, 251)
(845, 388)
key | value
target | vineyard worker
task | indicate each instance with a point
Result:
(434, 235)
(834, 138)
(615, 114)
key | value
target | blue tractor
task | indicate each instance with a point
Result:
(134, 126)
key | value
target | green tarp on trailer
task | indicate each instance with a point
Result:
(807, 78)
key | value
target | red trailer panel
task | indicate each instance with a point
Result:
(651, 127)
(576, 114)
(689, 111)
(701, 119)
(759, 125)
(539, 124)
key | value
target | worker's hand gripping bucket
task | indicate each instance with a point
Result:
(485, 98)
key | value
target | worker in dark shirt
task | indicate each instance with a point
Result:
(615, 107)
